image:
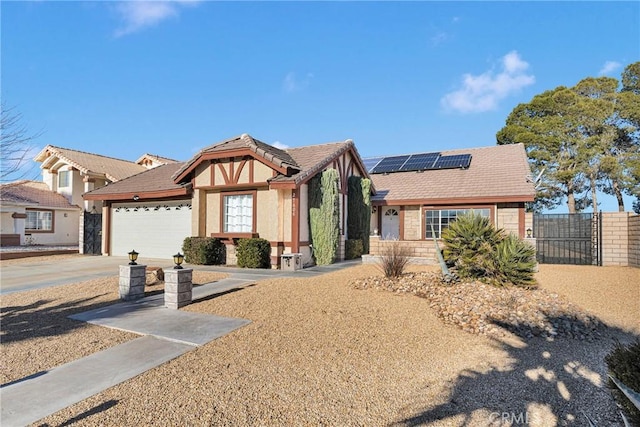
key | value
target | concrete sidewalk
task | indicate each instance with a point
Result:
(166, 334)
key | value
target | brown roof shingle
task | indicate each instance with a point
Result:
(495, 172)
(89, 163)
(151, 183)
(33, 193)
(245, 141)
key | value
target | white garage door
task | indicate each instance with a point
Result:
(154, 229)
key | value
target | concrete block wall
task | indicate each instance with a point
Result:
(634, 240)
(615, 238)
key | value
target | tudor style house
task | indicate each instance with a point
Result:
(240, 187)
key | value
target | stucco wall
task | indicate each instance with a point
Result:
(267, 214)
(203, 174)
(213, 213)
(7, 223)
(66, 230)
(304, 213)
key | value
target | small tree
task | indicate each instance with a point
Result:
(324, 216)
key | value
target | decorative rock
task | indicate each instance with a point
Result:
(484, 309)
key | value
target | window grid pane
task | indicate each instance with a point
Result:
(441, 219)
(238, 214)
(39, 220)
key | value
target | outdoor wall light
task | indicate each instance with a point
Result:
(136, 197)
(177, 259)
(133, 256)
(528, 233)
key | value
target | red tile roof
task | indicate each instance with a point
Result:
(89, 163)
(33, 193)
(152, 183)
(497, 172)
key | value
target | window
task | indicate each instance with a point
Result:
(238, 213)
(39, 221)
(440, 219)
(63, 179)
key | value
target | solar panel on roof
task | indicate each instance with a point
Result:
(390, 164)
(419, 162)
(452, 162)
(370, 162)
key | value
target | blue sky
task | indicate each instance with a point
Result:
(125, 78)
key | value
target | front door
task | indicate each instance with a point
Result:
(390, 223)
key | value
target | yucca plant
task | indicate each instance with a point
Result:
(480, 251)
(515, 262)
(469, 245)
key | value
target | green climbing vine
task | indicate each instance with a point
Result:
(324, 216)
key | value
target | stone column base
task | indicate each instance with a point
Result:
(178, 288)
(132, 281)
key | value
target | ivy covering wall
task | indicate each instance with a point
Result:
(359, 210)
(324, 216)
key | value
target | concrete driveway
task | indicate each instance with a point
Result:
(39, 274)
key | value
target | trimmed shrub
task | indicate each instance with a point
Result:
(393, 260)
(353, 248)
(204, 251)
(359, 210)
(324, 216)
(478, 250)
(254, 253)
(624, 365)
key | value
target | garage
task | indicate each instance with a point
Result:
(153, 229)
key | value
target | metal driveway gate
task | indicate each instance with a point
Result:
(92, 233)
(568, 238)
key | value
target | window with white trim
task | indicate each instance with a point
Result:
(440, 219)
(63, 178)
(39, 221)
(238, 213)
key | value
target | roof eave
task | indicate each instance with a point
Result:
(141, 195)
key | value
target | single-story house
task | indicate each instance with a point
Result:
(419, 195)
(242, 187)
(30, 213)
(237, 188)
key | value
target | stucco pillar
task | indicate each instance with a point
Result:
(89, 184)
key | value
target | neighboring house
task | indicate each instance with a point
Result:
(30, 213)
(436, 187)
(237, 188)
(71, 173)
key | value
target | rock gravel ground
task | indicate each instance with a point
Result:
(322, 352)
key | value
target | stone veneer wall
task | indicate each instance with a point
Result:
(634, 240)
(412, 223)
(416, 248)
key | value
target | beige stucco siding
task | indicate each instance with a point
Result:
(7, 222)
(66, 229)
(213, 213)
(267, 214)
(203, 174)
(261, 172)
(304, 213)
(244, 176)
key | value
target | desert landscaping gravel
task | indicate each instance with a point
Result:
(320, 351)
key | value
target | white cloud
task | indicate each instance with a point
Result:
(140, 14)
(280, 145)
(292, 83)
(483, 92)
(609, 67)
